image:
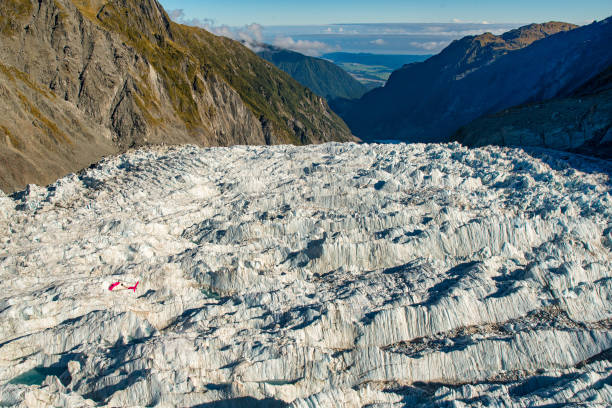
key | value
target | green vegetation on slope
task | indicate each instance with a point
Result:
(323, 77)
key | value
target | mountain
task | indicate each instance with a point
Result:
(323, 77)
(81, 79)
(580, 122)
(476, 75)
(336, 275)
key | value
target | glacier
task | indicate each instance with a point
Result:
(320, 276)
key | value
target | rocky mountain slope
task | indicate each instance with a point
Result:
(478, 75)
(337, 275)
(581, 122)
(322, 77)
(83, 78)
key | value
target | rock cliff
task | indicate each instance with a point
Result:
(337, 275)
(81, 79)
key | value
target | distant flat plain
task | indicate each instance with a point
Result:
(372, 70)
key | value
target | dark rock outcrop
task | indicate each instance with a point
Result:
(81, 79)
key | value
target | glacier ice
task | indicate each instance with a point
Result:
(331, 275)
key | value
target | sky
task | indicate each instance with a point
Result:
(375, 38)
(321, 12)
(317, 27)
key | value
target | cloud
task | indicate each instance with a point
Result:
(435, 29)
(430, 45)
(393, 31)
(176, 14)
(179, 16)
(452, 30)
(339, 30)
(456, 20)
(379, 41)
(250, 35)
(456, 29)
(312, 48)
(252, 31)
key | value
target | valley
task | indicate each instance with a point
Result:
(372, 70)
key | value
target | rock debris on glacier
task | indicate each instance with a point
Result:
(332, 275)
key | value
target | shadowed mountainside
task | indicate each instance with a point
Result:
(477, 75)
(84, 78)
(581, 122)
(323, 77)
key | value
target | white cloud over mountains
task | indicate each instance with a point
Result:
(397, 38)
(400, 38)
(430, 45)
(179, 16)
(250, 35)
(312, 48)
